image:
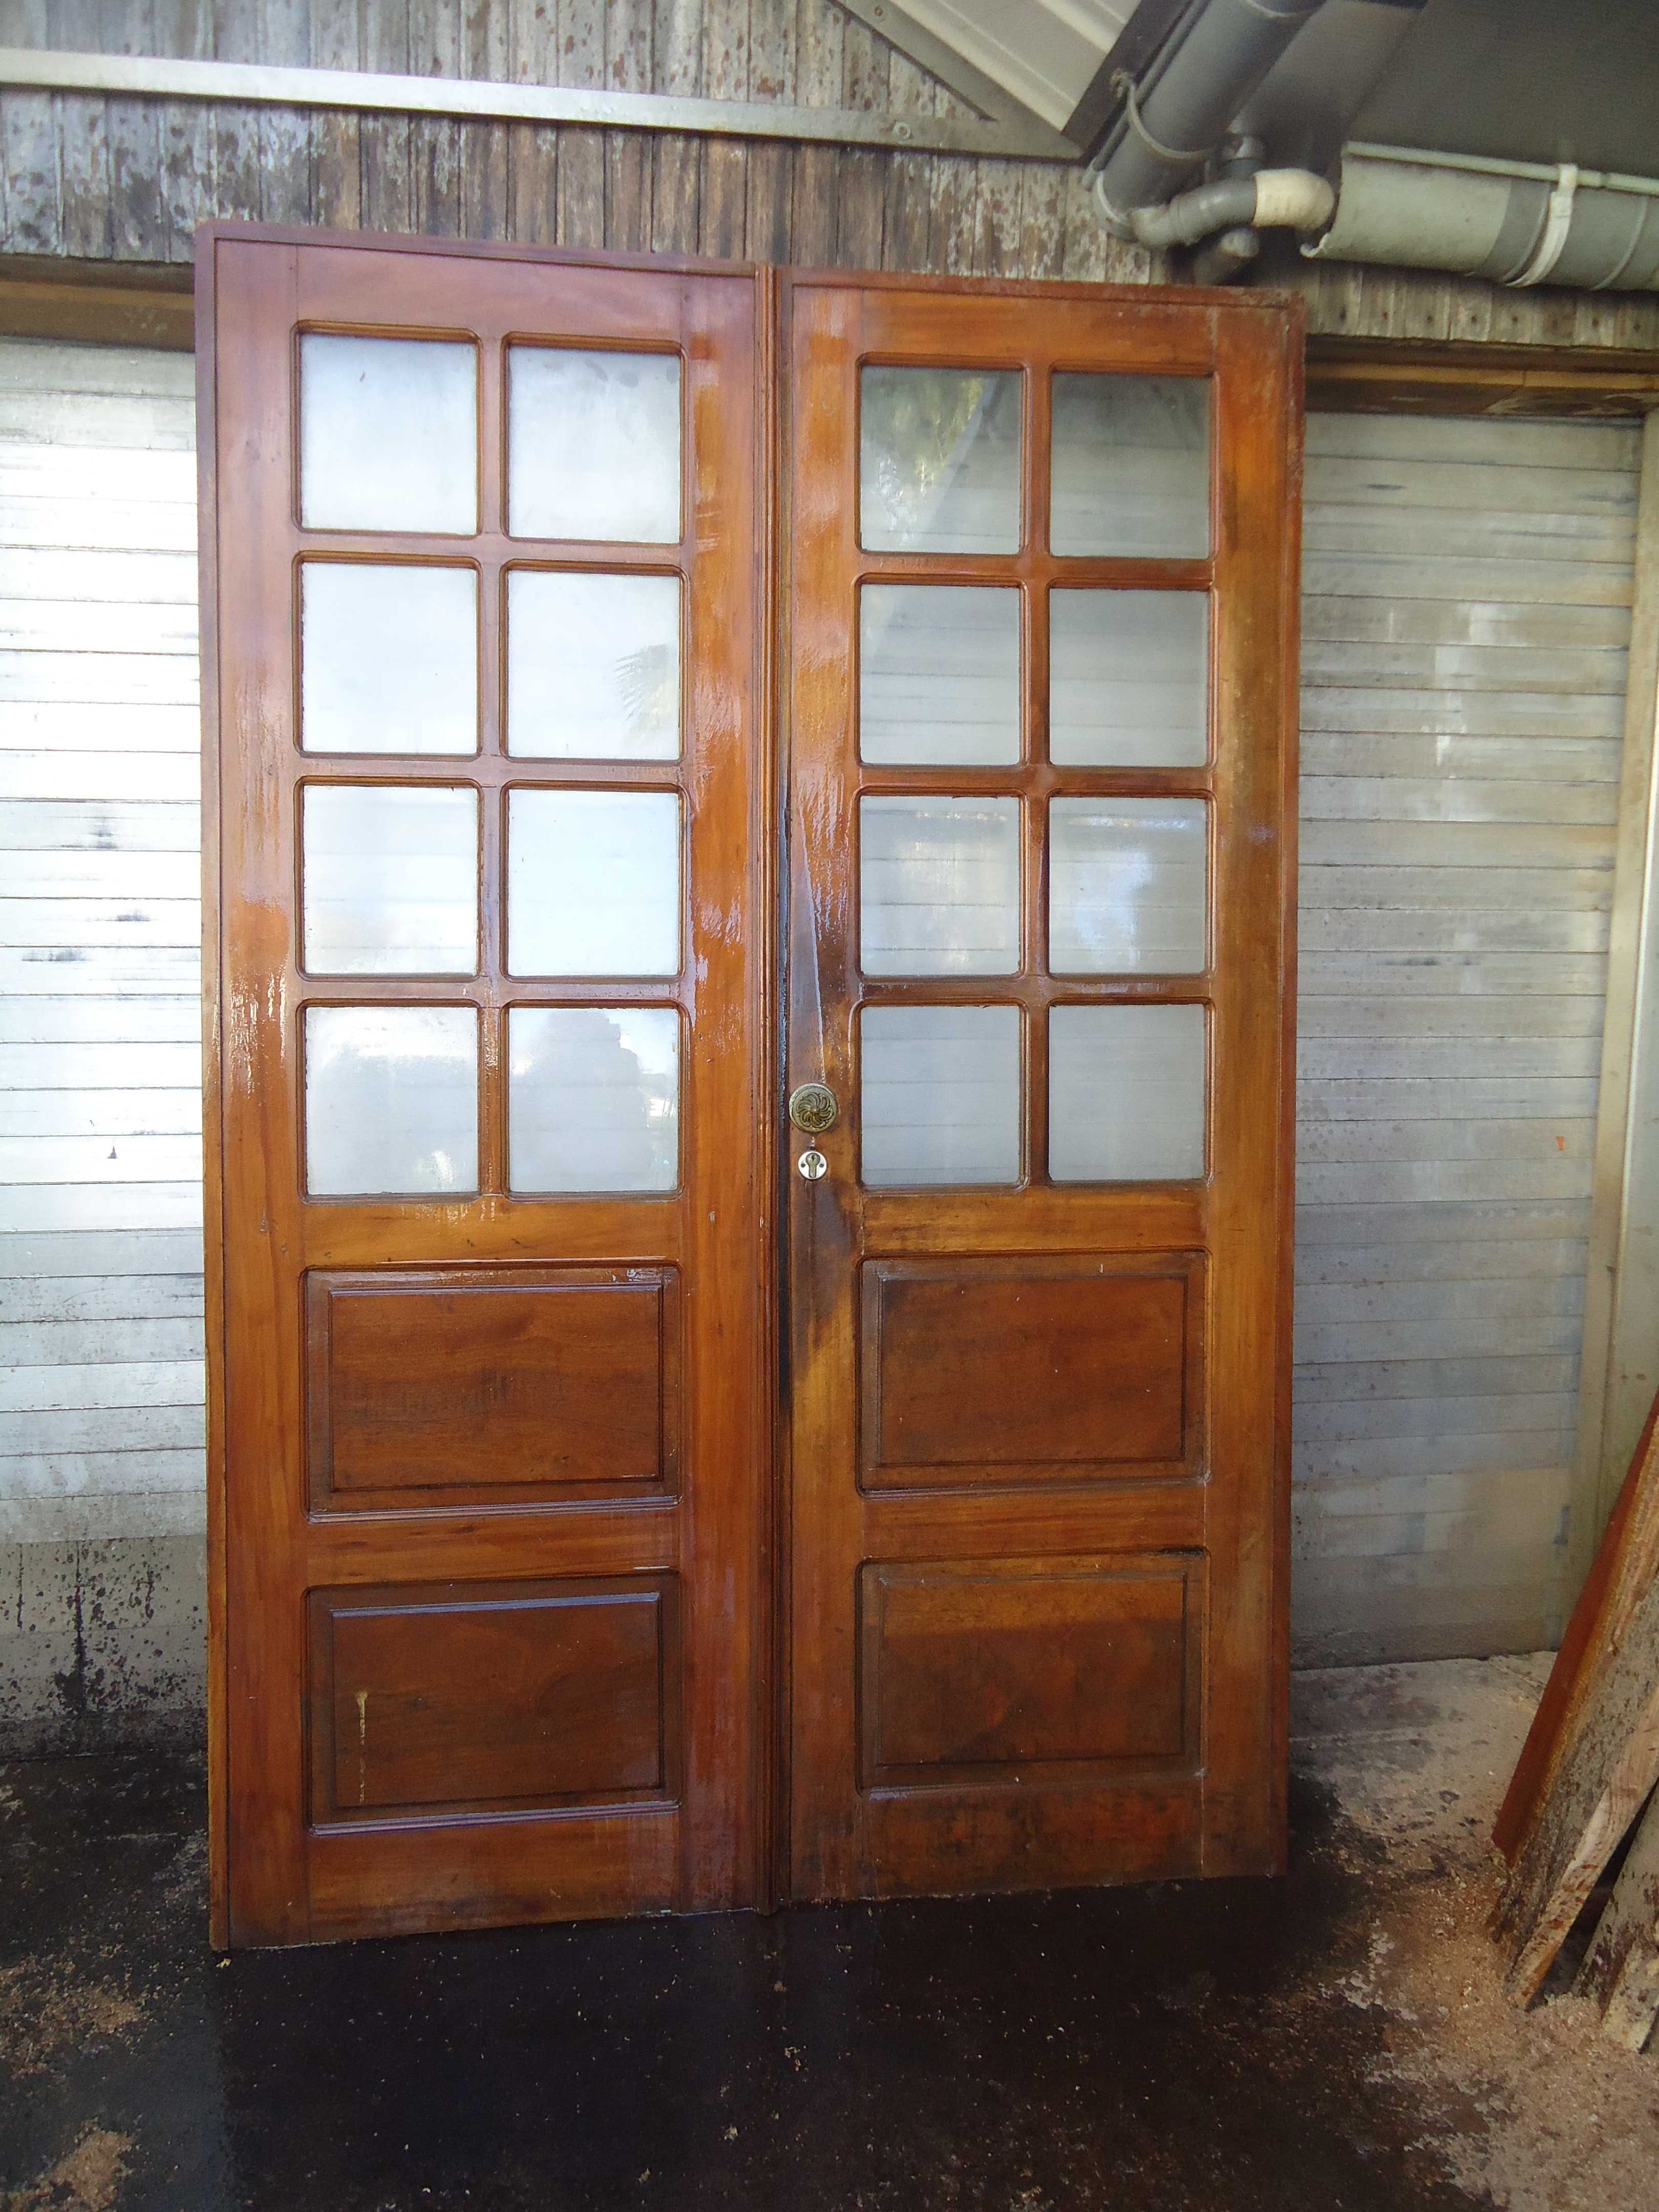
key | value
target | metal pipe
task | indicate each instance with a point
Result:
(1176, 114)
(1508, 225)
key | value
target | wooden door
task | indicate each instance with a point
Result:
(488, 1292)
(1042, 553)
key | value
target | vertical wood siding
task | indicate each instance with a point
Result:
(100, 1246)
(1467, 610)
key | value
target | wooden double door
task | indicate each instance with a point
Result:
(750, 879)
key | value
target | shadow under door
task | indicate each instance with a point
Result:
(533, 1595)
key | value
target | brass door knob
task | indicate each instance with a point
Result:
(812, 1107)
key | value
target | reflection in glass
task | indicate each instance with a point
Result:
(938, 674)
(388, 434)
(388, 880)
(1128, 678)
(388, 659)
(593, 445)
(1130, 466)
(594, 883)
(939, 460)
(593, 1098)
(593, 666)
(940, 1094)
(1127, 880)
(939, 886)
(391, 1101)
(1126, 1093)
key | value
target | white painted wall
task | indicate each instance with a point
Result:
(100, 1246)
(1467, 589)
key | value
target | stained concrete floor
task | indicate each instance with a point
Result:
(1335, 2040)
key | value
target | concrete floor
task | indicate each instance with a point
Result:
(1335, 2041)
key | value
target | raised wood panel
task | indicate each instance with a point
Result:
(483, 1696)
(1000, 1371)
(1027, 1670)
(451, 1386)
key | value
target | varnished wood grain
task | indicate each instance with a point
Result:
(437, 1697)
(463, 1386)
(1011, 1369)
(1231, 1495)
(1049, 1669)
(281, 1884)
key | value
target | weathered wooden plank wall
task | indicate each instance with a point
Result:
(125, 179)
(1467, 591)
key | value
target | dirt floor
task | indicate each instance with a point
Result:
(1336, 2040)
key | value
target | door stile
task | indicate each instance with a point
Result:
(213, 1164)
(1250, 1199)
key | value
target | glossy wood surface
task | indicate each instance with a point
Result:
(567, 1432)
(1020, 1373)
(468, 1386)
(1025, 1670)
(488, 1696)
(893, 1679)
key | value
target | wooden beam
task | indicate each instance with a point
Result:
(103, 302)
(1386, 375)
(165, 77)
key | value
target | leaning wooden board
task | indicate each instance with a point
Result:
(1592, 1757)
(1628, 1557)
(1620, 1972)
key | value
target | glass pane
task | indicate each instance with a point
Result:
(388, 434)
(1126, 884)
(939, 1093)
(593, 666)
(1126, 1093)
(389, 879)
(939, 886)
(391, 1101)
(939, 460)
(593, 1098)
(388, 659)
(1131, 466)
(593, 445)
(594, 883)
(1128, 680)
(938, 675)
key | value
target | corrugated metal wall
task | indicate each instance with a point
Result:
(100, 1246)
(1467, 591)
(1468, 596)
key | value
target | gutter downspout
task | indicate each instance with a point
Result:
(1176, 113)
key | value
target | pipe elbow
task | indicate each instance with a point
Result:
(1294, 199)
